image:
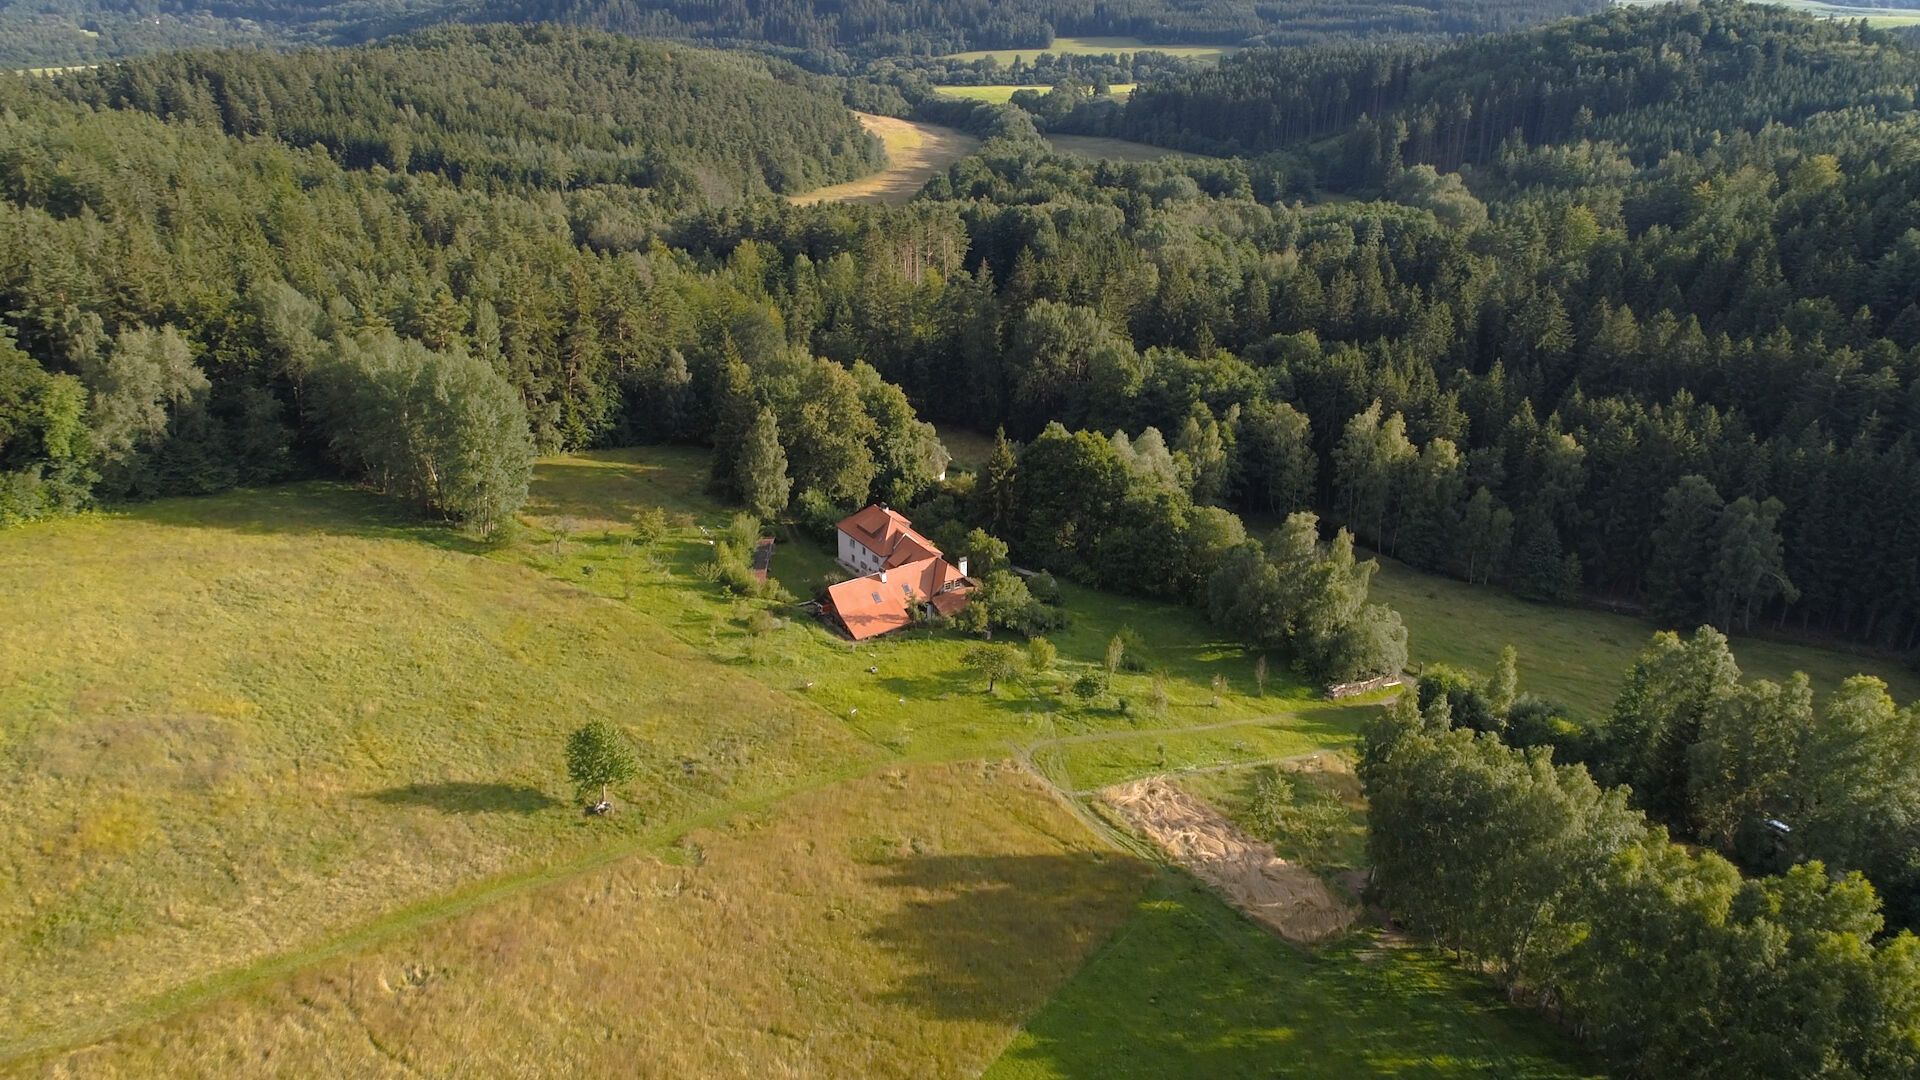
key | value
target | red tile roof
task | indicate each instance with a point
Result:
(869, 606)
(888, 535)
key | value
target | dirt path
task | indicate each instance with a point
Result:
(1290, 899)
(914, 153)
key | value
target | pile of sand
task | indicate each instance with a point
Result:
(1288, 898)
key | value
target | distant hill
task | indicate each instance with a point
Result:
(1648, 80)
(539, 107)
(822, 34)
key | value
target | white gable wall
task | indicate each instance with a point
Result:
(855, 555)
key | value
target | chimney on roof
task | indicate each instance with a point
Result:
(963, 566)
(883, 577)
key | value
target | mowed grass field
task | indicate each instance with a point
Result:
(1099, 146)
(1578, 655)
(1096, 46)
(915, 151)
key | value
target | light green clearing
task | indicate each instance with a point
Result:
(1097, 46)
(1003, 92)
(1578, 655)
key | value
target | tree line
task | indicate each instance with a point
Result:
(1665, 961)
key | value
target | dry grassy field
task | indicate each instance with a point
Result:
(915, 152)
(902, 925)
(238, 727)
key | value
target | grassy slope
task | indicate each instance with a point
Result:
(1191, 988)
(896, 926)
(1578, 655)
(240, 725)
(286, 719)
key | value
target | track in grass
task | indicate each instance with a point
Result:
(915, 152)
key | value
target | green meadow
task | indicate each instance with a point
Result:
(288, 752)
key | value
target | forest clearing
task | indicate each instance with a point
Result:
(915, 152)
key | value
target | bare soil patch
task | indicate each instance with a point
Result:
(1290, 899)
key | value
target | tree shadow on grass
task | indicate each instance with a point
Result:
(1113, 970)
(989, 938)
(469, 797)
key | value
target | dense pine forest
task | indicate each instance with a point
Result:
(530, 108)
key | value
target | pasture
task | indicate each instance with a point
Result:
(241, 726)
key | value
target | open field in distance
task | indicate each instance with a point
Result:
(915, 152)
(1096, 46)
